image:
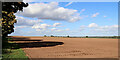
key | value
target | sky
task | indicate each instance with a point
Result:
(71, 0)
(67, 18)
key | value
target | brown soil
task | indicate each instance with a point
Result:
(58, 47)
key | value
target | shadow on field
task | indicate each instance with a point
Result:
(37, 44)
(26, 42)
(24, 39)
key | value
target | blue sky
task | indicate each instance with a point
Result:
(68, 18)
(71, 0)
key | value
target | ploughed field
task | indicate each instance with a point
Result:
(58, 47)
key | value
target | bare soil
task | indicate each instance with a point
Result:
(58, 47)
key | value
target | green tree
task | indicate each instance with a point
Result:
(8, 17)
(68, 36)
(86, 36)
(52, 36)
(45, 36)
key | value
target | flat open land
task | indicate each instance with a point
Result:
(58, 47)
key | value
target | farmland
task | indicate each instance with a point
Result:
(58, 47)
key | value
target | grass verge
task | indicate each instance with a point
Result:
(13, 52)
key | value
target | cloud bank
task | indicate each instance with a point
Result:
(50, 11)
(21, 21)
(96, 29)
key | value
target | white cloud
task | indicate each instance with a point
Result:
(27, 1)
(113, 29)
(82, 11)
(53, 29)
(21, 21)
(104, 16)
(93, 25)
(69, 4)
(41, 26)
(46, 27)
(56, 24)
(100, 30)
(59, 30)
(94, 15)
(18, 27)
(50, 11)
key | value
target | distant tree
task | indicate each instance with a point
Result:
(8, 17)
(86, 36)
(114, 36)
(68, 36)
(45, 36)
(52, 36)
(118, 37)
